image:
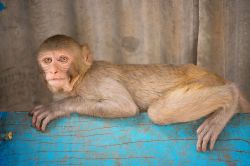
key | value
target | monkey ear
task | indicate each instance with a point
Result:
(87, 56)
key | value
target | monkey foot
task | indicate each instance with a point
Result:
(210, 129)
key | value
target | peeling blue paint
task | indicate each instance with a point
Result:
(2, 6)
(135, 141)
(3, 115)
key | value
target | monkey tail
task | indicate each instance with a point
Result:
(244, 104)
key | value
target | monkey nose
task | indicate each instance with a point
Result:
(53, 70)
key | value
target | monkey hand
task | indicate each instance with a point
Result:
(42, 115)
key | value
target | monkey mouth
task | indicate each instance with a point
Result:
(55, 80)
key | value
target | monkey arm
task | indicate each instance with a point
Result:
(120, 106)
(108, 101)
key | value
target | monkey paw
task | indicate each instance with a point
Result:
(210, 129)
(42, 115)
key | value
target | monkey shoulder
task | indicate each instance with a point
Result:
(102, 70)
(100, 78)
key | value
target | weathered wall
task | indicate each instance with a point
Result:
(224, 39)
(212, 33)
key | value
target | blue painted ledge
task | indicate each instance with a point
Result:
(2, 6)
(81, 140)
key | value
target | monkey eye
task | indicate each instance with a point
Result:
(63, 59)
(47, 60)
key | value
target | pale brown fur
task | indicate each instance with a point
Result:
(170, 94)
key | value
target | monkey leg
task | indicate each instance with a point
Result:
(192, 102)
(189, 103)
(210, 129)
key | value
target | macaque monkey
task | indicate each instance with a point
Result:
(169, 93)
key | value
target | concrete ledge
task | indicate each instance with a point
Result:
(81, 140)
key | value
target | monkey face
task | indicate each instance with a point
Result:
(55, 66)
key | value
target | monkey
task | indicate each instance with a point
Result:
(169, 93)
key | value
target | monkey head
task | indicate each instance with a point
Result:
(63, 61)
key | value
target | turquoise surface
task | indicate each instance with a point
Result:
(81, 140)
(2, 6)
